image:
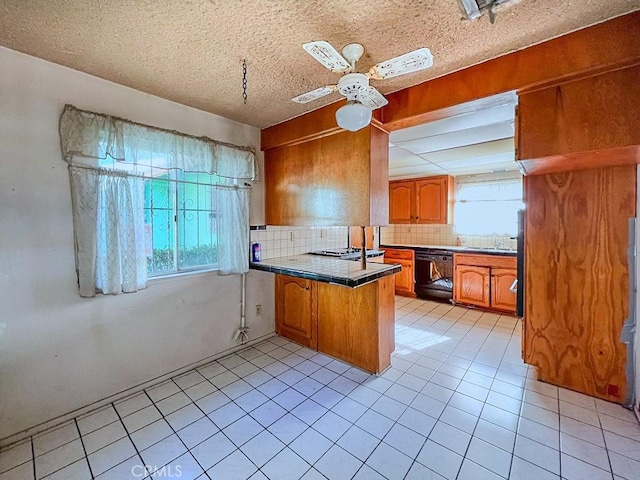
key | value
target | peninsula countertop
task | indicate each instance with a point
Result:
(326, 269)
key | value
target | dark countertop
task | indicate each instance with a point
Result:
(453, 248)
(326, 269)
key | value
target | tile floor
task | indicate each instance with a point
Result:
(457, 403)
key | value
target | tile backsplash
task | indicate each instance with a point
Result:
(286, 241)
(440, 235)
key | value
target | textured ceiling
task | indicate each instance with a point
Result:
(191, 51)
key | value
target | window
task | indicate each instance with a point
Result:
(488, 204)
(180, 222)
(149, 202)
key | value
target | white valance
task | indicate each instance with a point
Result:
(97, 136)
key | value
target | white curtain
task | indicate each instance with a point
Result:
(109, 231)
(488, 204)
(233, 246)
(109, 158)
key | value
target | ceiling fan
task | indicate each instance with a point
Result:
(362, 98)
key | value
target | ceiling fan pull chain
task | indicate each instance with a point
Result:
(244, 81)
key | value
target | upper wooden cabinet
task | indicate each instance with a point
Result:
(339, 179)
(421, 200)
(585, 123)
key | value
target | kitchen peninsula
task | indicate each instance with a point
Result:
(336, 307)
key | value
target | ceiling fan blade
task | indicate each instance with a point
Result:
(407, 63)
(328, 56)
(372, 98)
(314, 94)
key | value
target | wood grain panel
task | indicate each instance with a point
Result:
(355, 237)
(589, 114)
(577, 280)
(597, 48)
(611, 157)
(348, 327)
(341, 179)
(386, 321)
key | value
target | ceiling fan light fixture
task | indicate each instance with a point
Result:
(353, 116)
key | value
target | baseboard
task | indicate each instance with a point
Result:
(41, 427)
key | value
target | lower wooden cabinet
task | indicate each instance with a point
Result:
(502, 295)
(296, 318)
(472, 285)
(406, 278)
(485, 281)
(353, 324)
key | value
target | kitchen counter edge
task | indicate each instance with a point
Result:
(336, 280)
(452, 248)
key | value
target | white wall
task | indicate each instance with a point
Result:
(637, 342)
(59, 352)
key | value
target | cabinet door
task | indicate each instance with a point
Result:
(471, 285)
(405, 278)
(501, 297)
(295, 310)
(401, 200)
(431, 200)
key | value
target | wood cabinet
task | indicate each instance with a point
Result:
(353, 324)
(423, 200)
(339, 179)
(405, 279)
(295, 310)
(401, 200)
(503, 285)
(485, 281)
(585, 123)
(472, 285)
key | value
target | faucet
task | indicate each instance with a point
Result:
(496, 244)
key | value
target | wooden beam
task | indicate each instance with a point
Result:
(598, 48)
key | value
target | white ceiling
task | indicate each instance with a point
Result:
(473, 143)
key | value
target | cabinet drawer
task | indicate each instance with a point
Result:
(399, 254)
(479, 260)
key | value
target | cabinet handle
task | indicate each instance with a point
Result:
(514, 286)
(307, 287)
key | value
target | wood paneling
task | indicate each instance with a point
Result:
(577, 279)
(594, 49)
(296, 310)
(587, 115)
(356, 324)
(611, 157)
(341, 179)
(355, 237)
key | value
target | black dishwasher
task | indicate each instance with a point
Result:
(434, 274)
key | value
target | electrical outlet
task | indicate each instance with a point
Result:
(258, 310)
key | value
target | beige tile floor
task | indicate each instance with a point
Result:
(457, 403)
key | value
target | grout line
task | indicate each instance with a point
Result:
(33, 457)
(86, 456)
